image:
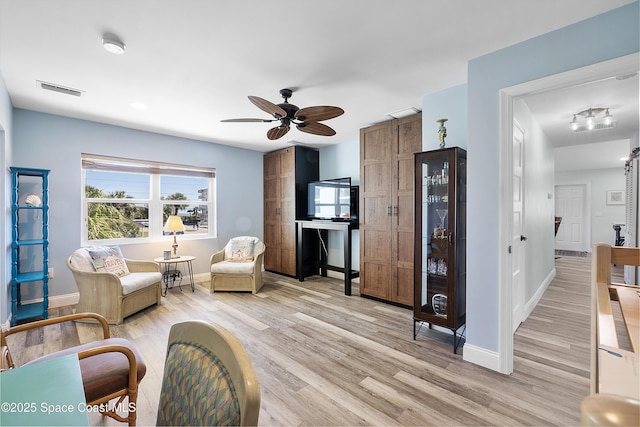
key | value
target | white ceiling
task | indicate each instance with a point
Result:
(602, 148)
(193, 62)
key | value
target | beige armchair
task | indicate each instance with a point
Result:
(238, 266)
(127, 288)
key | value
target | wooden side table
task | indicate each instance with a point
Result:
(171, 273)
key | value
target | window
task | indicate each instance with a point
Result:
(127, 200)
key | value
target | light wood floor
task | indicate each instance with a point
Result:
(323, 358)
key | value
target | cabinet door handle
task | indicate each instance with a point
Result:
(395, 211)
(388, 210)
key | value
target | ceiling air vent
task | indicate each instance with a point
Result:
(59, 89)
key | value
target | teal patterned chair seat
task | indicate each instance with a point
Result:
(208, 379)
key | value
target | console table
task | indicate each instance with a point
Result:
(323, 227)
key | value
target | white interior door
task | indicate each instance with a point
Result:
(517, 238)
(570, 205)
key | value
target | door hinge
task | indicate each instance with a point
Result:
(509, 248)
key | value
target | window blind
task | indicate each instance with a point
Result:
(114, 164)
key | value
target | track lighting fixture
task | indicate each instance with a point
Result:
(591, 120)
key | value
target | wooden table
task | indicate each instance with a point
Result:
(47, 393)
(169, 275)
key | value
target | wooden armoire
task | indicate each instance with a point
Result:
(387, 208)
(286, 175)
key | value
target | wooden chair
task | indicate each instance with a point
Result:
(615, 378)
(208, 378)
(558, 221)
(111, 368)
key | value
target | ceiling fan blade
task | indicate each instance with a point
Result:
(268, 107)
(318, 114)
(247, 120)
(277, 132)
(316, 129)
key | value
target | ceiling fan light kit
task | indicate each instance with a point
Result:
(305, 119)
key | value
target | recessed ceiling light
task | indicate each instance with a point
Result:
(138, 106)
(113, 44)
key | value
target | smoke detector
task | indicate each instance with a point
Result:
(113, 44)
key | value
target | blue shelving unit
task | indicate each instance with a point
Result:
(30, 244)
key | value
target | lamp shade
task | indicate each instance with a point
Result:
(173, 224)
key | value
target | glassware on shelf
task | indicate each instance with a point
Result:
(437, 267)
(439, 304)
(442, 214)
(442, 268)
(432, 266)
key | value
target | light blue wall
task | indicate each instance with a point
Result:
(448, 104)
(339, 161)
(604, 37)
(54, 142)
(5, 157)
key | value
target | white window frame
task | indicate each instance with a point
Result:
(155, 170)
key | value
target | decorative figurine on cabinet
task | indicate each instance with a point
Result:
(442, 132)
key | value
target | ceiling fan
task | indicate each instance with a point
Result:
(305, 119)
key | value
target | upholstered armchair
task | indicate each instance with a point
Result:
(238, 266)
(112, 285)
(208, 379)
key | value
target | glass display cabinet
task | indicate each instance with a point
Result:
(440, 240)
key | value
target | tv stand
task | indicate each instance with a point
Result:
(323, 227)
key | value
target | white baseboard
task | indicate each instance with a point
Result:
(64, 300)
(202, 277)
(531, 304)
(59, 300)
(340, 276)
(481, 356)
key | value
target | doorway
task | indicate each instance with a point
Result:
(604, 70)
(571, 205)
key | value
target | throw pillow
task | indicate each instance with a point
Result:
(108, 259)
(240, 249)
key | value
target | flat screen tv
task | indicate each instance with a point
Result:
(332, 199)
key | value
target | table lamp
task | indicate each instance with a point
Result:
(174, 224)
